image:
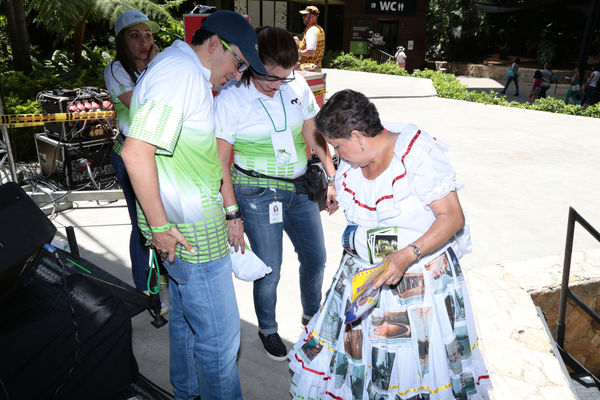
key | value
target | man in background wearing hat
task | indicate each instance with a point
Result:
(172, 160)
(312, 46)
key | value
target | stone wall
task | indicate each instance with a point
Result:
(514, 343)
(498, 73)
(582, 333)
(494, 71)
(489, 71)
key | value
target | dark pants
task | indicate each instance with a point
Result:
(514, 79)
(591, 96)
(138, 251)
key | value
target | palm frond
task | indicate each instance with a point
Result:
(111, 9)
(60, 15)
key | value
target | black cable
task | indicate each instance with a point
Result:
(37, 181)
(54, 200)
(71, 305)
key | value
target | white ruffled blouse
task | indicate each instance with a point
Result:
(418, 174)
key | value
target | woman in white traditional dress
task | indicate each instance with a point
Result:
(418, 338)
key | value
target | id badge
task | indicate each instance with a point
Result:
(275, 212)
(283, 146)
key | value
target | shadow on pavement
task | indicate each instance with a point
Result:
(260, 377)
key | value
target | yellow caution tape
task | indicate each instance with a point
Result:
(23, 120)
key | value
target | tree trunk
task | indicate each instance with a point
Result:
(17, 33)
(78, 39)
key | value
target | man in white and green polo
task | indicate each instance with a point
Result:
(172, 161)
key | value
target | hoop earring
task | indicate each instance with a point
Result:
(362, 147)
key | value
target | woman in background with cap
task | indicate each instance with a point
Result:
(264, 118)
(400, 57)
(135, 48)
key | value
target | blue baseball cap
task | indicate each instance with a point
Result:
(234, 28)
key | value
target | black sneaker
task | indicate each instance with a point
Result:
(274, 346)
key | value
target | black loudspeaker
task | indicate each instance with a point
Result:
(64, 337)
(64, 334)
(25, 229)
(87, 99)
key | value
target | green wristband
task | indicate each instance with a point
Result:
(231, 209)
(158, 229)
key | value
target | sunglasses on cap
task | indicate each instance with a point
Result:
(272, 78)
(242, 66)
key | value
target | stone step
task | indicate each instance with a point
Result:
(585, 387)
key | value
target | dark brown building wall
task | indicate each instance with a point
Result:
(409, 27)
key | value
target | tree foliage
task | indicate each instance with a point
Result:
(17, 34)
(53, 61)
(547, 32)
(453, 28)
(67, 19)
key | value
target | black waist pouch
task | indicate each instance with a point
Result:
(313, 183)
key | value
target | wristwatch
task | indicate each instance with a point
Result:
(330, 179)
(417, 251)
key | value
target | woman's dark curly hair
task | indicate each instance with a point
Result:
(346, 111)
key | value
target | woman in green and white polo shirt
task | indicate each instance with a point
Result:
(263, 118)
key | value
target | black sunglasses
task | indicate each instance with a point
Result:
(272, 78)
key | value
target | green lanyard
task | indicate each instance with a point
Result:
(284, 113)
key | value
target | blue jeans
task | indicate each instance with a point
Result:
(302, 223)
(204, 330)
(138, 251)
(514, 79)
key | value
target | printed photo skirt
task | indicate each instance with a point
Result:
(418, 342)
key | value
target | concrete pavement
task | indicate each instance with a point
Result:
(522, 169)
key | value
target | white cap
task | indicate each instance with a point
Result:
(133, 17)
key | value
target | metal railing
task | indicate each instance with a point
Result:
(381, 56)
(7, 161)
(566, 293)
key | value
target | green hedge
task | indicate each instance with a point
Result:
(447, 86)
(350, 62)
